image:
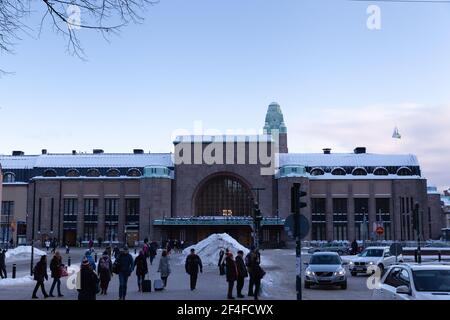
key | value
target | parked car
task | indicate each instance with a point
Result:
(326, 268)
(373, 256)
(415, 282)
(339, 248)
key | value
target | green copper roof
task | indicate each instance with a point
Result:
(274, 119)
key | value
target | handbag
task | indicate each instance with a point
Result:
(63, 272)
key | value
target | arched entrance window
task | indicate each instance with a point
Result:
(223, 195)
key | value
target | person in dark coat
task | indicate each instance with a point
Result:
(116, 253)
(125, 269)
(153, 251)
(87, 282)
(355, 247)
(252, 259)
(40, 275)
(242, 274)
(256, 273)
(55, 269)
(232, 273)
(221, 264)
(54, 245)
(105, 272)
(193, 266)
(3, 272)
(140, 263)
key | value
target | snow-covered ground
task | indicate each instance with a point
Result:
(22, 253)
(208, 250)
(16, 282)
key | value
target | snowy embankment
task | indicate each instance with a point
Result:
(22, 253)
(208, 250)
(16, 282)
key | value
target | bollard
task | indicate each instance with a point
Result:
(14, 271)
(69, 262)
(439, 256)
(415, 256)
(95, 256)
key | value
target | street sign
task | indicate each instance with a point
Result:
(396, 249)
(380, 231)
(304, 226)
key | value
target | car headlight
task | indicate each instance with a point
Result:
(371, 263)
(309, 272)
(341, 272)
(351, 263)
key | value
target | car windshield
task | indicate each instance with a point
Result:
(432, 280)
(372, 253)
(325, 259)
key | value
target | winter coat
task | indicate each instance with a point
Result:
(193, 264)
(164, 267)
(141, 265)
(153, 249)
(91, 260)
(55, 268)
(252, 259)
(242, 270)
(87, 284)
(2, 260)
(125, 263)
(257, 272)
(231, 269)
(40, 271)
(105, 268)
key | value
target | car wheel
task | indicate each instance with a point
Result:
(344, 286)
(354, 274)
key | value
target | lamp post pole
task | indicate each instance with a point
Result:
(257, 223)
(32, 228)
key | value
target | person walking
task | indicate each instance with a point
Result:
(193, 265)
(125, 264)
(88, 256)
(355, 247)
(47, 244)
(242, 274)
(140, 263)
(221, 264)
(231, 272)
(164, 267)
(40, 275)
(87, 282)
(146, 249)
(257, 273)
(116, 252)
(67, 248)
(153, 251)
(105, 272)
(56, 266)
(3, 272)
(54, 245)
(91, 245)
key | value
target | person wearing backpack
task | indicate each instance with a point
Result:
(105, 272)
(40, 275)
(55, 269)
(140, 263)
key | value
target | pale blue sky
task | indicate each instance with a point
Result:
(223, 62)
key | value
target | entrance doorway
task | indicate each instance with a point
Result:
(70, 237)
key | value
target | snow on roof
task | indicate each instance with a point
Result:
(346, 160)
(223, 138)
(105, 160)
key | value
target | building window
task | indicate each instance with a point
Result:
(380, 172)
(340, 219)
(9, 177)
(72, 173)
(91, 211)
(319, 223)
(404, 171)
(93, 173)
(113, 173)
(70, 211)
(223, 193)
(6, 219)
(359, 172)
(132, 211)
(111, 219)
(134, 173)
(317, 172)
(50, 173)
(111, 207)
(111, 232)
(383, 212)
(361, 218)
(338, 172)
(90, 232)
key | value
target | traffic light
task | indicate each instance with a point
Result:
(296, 195)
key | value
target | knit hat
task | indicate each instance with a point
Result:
(85, 262)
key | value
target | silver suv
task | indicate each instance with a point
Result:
(326, 268)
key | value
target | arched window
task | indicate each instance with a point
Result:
(338, 172)
(113, 173)
(72, 173)
(50, 173)
(380, 171)
(223, 194)
(9, 177)
(359, 172)
(404, 171)
(134, 172)
(317, 172)
(93, 173)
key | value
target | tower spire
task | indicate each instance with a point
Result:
(275, 122)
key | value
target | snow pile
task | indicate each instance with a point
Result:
(209, 249)
(14, 282)
(22, 253)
